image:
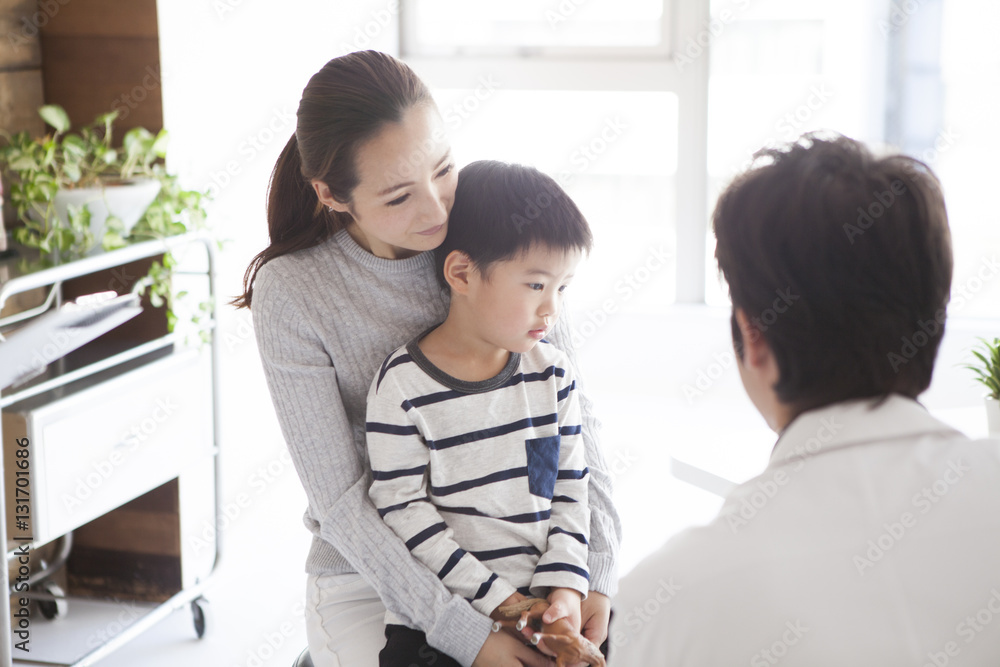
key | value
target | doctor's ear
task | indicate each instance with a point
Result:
(752, 348)
(458, 269)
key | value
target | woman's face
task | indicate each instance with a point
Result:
(406, 187)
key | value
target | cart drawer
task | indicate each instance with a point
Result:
(103, 446)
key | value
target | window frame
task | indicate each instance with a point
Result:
(598, 68)
(661, 50)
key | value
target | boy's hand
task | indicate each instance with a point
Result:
(513, 599)
(564, 603)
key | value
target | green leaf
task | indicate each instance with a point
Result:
(988, 369)
(112, 241)
(64, 239)
(72, 171)
(23, 163)
(49, 154)
(106, 119)
(137, 140)
(74, 145)
(56, 116)
(23, 236)
(79, 216)
(159, 147)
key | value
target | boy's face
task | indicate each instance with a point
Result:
(518, 304)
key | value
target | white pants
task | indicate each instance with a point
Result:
(345, 621)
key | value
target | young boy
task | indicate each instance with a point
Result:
(473, 427)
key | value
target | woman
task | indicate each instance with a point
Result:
(357, 197)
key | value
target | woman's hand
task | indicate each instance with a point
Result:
(504, 650)
(596, 614)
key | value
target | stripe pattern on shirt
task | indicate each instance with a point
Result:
(487, 488)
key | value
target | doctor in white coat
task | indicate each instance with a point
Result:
(873, 536)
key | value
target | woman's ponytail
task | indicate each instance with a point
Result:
(295, 218)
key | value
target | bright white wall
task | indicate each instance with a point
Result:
(233, 72)
(232, 75)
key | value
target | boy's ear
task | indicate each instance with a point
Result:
(458, 268)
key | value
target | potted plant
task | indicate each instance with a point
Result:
(67, 186)
(988, 373)
(75, 191)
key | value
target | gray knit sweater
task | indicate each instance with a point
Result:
(325, 318)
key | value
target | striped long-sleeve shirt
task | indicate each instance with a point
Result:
(485, 482)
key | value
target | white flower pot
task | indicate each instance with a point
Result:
(128, 201)
(993, 417)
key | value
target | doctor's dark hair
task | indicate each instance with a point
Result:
(344, 105)
(842, 262)
(503, 210)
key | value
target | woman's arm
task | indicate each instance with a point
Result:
(306, 397)
(605, 526)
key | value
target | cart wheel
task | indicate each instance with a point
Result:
(52, 608)
(199, 618)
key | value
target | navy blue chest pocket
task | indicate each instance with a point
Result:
(543, 465)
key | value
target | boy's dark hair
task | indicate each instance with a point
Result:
(843, 262)
(502, 210)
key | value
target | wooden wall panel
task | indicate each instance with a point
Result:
(19, 48)
(20, 96)
(99, 55)
(104, 18)
(21, 90)
(132, 552)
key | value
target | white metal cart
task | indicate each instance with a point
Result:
(73, 419)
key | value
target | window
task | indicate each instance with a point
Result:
(921, 78)
(963, 148)
(591, 93)
(528, 27)
(615, 153)
(782, 68)
(913, 77)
